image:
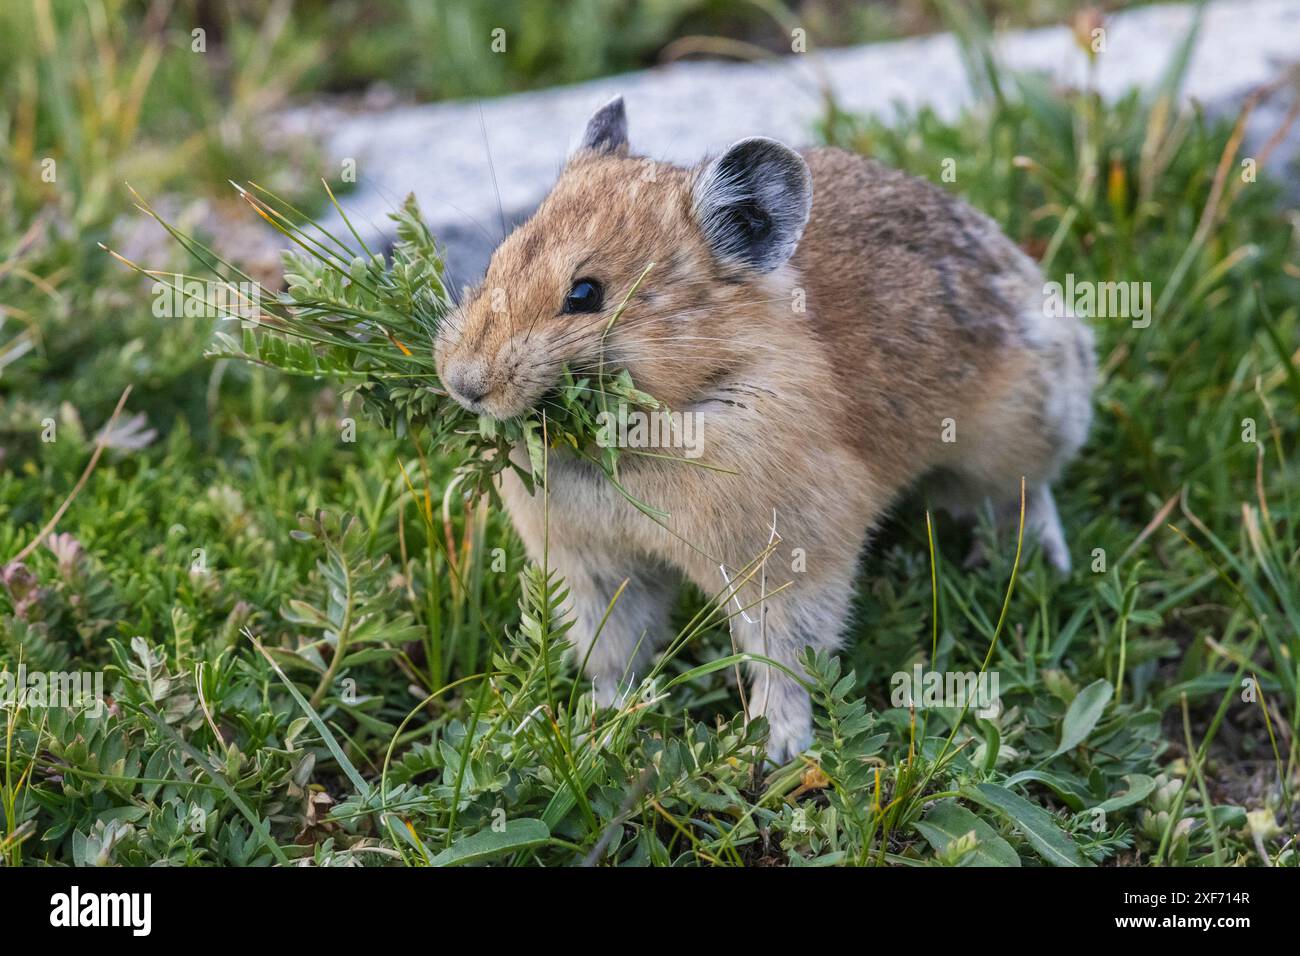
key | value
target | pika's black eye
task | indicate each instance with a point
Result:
(585, 296)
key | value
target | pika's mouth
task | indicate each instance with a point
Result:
(505, 393)
(474, 405)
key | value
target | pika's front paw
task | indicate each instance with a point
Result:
(787, 739)
(606, 692)
(611, 691)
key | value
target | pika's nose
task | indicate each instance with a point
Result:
(468, 380)
(472, 394)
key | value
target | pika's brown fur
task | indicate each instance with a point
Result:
(904, 339)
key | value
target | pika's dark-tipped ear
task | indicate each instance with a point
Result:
(606, 130)
(753, 201)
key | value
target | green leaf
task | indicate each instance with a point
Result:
(1072, 794)
(992, 743)
(1085, 710)
(1039, 827)
(948, 820)
(536, 451)
(1139, 787)
(489, 844)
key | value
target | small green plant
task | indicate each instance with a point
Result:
(351, 316)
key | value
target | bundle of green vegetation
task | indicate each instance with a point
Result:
(350, 315)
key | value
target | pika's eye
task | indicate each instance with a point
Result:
(585, 296)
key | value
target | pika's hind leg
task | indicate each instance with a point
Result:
(1032, 417)
(1042, 524)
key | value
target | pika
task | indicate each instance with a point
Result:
(843, 332)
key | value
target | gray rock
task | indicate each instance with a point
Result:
(479, 166)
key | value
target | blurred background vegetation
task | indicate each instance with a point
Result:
(433, 49)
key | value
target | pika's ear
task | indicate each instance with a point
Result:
(753, 201)
(606, 130)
